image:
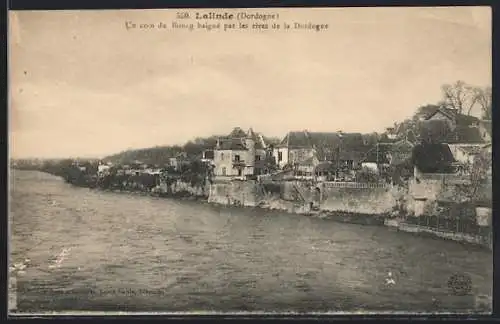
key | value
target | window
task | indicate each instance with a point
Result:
(223, 170)
(237, 158)
(222, 155)
(280, 156)
(257, 158)
(239, 172)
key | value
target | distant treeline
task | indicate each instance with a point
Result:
(194, 172)
(160, 155)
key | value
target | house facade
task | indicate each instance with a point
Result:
(466, 138)
(240, 154)
(303, 152)
(300, 146)
(295, 148)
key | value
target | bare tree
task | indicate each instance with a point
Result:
(483, 96)
(459, 96)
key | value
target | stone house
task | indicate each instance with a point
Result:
(299, 147)
(240, 154)
(431, 163)
(464, 129)
(295, 147)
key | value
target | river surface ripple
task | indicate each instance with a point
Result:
(92, 250)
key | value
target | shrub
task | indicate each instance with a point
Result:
(368, 176)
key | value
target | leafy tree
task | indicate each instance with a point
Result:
(195, 173)
(270, 163)
(367, 175)
(425, 110)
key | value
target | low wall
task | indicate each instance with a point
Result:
(363, 200)
(241, 193)
(299, 191)
(180, 187)
(425, 192)
(460, 237)
(297, 196)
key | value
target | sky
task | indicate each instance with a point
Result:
(81, 84)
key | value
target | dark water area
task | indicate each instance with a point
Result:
(90, 250)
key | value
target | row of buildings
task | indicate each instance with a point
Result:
(338, 155)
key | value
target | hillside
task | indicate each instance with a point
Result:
(152, 155)
(161, 154)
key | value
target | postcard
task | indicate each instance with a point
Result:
(250, 161)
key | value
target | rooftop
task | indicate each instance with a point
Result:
(306, 139)
(465, 135)
(432, 158)
(236, 140)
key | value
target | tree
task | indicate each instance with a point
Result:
(424, 111)
(459, 96)
(367, 175)
(484, 101)
(270, 163)
(407, 129)
(195, 173)
(480, 172)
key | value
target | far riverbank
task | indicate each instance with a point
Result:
(273, 203)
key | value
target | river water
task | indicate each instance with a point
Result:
(105, 251)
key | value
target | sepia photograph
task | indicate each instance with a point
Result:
(250, 161)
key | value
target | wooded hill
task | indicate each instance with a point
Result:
(160, 155)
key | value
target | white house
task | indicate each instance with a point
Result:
(102, 168)
(296, 147)
(240, 154)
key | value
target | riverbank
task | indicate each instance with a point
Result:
(238, 197)
(427, 231)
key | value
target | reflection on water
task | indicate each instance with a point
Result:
(92, 250)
